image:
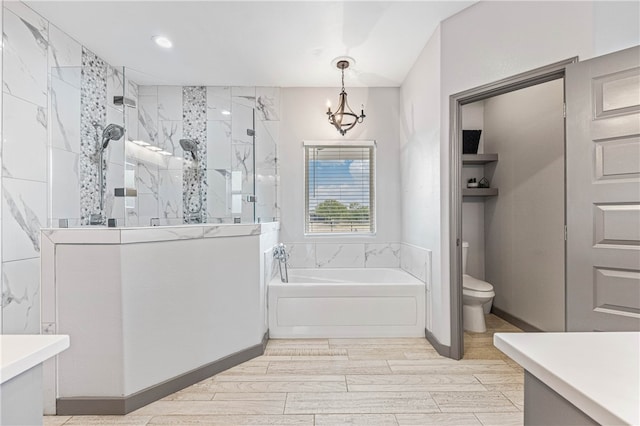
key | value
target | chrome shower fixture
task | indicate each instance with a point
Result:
(189, 145)
(112, 132)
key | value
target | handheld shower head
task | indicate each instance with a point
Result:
(112, 132)
(189, 145)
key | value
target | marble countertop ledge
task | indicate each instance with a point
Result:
(597, 372)
(19, 353)
(104, 235)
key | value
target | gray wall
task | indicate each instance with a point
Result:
(473, 207)
(524, 225)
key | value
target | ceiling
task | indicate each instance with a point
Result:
(254, 43)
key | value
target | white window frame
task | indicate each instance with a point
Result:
(372, 186)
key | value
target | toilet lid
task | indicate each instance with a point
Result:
(475, 284)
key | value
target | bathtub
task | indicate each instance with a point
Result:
(346, 302)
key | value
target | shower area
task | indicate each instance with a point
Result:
(138, 153)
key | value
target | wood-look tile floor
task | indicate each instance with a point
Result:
(347, 382)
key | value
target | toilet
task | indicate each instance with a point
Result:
(477, 297)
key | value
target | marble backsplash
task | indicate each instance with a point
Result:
(412, 259)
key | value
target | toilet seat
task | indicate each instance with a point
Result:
(471, 283)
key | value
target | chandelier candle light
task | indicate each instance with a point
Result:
(344, 119)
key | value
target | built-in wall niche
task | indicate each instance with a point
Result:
(481, 164)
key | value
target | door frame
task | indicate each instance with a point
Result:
(456, 101)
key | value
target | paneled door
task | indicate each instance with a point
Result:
(603, 193)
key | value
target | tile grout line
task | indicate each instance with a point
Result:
(478, 418)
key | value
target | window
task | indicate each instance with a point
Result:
(339, 187)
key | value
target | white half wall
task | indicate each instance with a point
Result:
(304, 118)
(482, 44)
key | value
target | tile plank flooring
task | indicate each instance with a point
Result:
(347, 382)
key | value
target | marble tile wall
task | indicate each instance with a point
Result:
(24, 164)
(218, 119)
(412, 259)
(47, 144)
(156, 120)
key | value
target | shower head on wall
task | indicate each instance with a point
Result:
(112, 132)
(189, 145)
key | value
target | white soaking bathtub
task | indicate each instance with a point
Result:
(346, 302)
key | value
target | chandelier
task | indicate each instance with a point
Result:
(344, 119)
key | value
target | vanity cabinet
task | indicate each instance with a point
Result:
(478, 160)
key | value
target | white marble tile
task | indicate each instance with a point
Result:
(219, 145)
(243, 161)
(65, 184)
(242, 120)
(82, 235)
(268, 103)
(330, 255)
(24, 212)
(265, 148)
(115, 85)
(382, 255)
(148, 118)
(218, 103)
(115, 152)
(21, 297)
(414, 260)
(65, 115)
(131, 124)
(218, 194)
(114, 206)
(231, 230)
(169, 135)
(170, 103)
(159, 233)
(244, 95)
(170, 193)
(25, 46)
(147, 90)
(273, 128)
(131, 218)
(24, 151)
(248, 210)
(148, 208)
(131, 90)
(266, 195)
(302, 255)
(65, 57)
(147, 178)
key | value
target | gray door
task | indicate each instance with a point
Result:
(603, 193)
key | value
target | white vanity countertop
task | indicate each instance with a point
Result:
(19, 353)
(597, 372)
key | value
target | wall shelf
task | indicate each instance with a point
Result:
(479, 158)
(479, 192)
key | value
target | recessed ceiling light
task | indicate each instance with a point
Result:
(225, 112)
(162, 41)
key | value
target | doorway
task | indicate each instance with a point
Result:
(499, 97)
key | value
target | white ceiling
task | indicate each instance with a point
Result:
(254, 43)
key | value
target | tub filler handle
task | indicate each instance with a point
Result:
(280, 253)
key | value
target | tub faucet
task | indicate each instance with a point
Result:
(280, 253)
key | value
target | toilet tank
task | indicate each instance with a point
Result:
(465, 249)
